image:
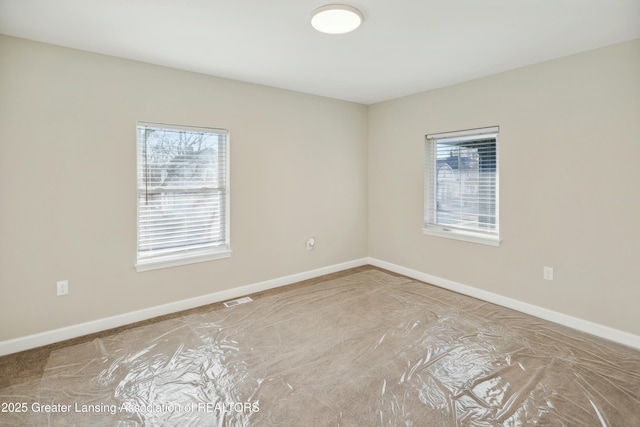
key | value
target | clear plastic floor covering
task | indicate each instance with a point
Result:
(368, 349)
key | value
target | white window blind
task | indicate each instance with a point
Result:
(461, 184)
(183, 194)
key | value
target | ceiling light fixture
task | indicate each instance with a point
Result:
(336, 19)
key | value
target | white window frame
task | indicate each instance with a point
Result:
(431, 225)
(151, 260)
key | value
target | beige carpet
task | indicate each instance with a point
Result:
(368, 349)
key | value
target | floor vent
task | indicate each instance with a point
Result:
(237, 301)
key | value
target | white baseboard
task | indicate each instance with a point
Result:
(592, 328)
(74, 331)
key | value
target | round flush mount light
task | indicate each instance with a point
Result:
(336, 19)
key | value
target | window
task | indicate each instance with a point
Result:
(183, 195)
(461, 185)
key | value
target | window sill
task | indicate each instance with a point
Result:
(466, 236)
(183, 259)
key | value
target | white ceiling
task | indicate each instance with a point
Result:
(403, 46)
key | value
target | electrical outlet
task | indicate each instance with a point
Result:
(311, 243)
(547, 273)
(62, 287)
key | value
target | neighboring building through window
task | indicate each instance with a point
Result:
(461, 185)
(183, 195)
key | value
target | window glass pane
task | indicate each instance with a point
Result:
(461, 181)
(182, 190)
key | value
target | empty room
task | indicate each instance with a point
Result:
(299, 213)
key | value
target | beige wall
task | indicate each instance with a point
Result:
(569, 182)
(569, 158)
(67, 183)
